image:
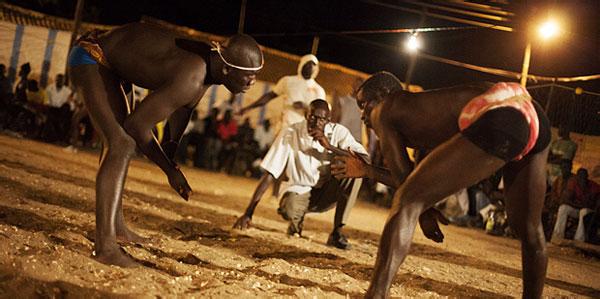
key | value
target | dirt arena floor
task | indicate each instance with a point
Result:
(47, 224)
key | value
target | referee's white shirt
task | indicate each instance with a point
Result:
(304, 160)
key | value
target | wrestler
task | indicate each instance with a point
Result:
(471, 132)
(178, 71)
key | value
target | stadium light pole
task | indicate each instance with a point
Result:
(546, 31)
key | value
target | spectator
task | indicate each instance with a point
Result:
(59, 112)
(35, 95)
(227, 129)
(5, 96)
(22, 85)
(562, 149)
(578, 199)
(264, 135)
(553, 198)
(191, 136)
(297, 91)
(231, 104)
(346, 112)
(5, 87)
(246, 151)
(58, 93)
(211, 137)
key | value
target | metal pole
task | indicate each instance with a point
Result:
(242, 17)
(526, 59)
(315, 45)
(76, 27)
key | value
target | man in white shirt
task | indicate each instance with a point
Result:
(304, 152)
(296, 91)
(58, 93)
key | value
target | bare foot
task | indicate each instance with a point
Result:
(125, 235)
(117, 257)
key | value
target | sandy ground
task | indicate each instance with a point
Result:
(47, 224)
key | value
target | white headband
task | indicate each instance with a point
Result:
(216, 46)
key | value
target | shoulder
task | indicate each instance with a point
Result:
(338, 129)
(285, 79)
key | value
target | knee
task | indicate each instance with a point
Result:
(407, 205)
(562, 209)
(531, 234)
(409, 198)
(121, 145)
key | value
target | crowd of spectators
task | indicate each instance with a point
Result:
(48, 113)
(55, 114)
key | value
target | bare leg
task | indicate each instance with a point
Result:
(124, 234)
(103, 97)
(525, 185)
(451, 166)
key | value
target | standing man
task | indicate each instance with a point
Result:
(562, 150)
(297, 92)
(304, 152)
(472, 132)
(346, 112)
(179, 72)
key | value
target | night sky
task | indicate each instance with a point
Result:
(574, 53)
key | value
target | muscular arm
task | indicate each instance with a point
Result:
(156, 107)
(177, 123)
(263, 100)
(244, 221)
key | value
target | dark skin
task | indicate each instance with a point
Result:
(428, 120)
(353, 165)
(306, 72)
(147, 56)
(317, 118)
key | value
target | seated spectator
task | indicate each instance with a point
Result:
(594, 225)
(578, 199)
(58, 93)
(5, 87)
(59, 112)
(191, 136)
(35, 95)
(553, 198)
(22, 85)
(227, 129)
(6, 96)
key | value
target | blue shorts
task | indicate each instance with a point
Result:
(79, 56)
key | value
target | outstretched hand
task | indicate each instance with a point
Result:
(351, 166)
(243, 222)
(429, 224)
(180, 184)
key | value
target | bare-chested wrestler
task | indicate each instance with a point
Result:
(179, 72)
(471, 131)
